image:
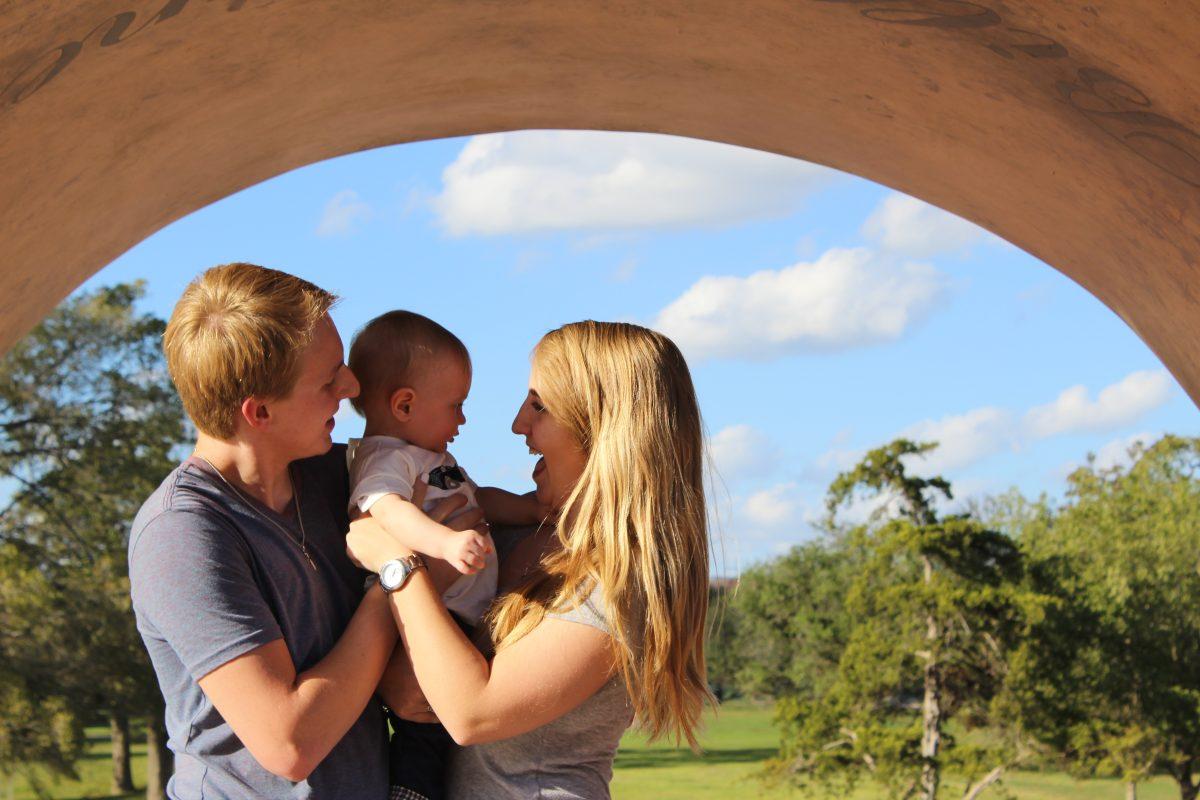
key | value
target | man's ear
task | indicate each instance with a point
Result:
(400, 403)
(255, 413)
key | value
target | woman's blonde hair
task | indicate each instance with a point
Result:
(635, 522)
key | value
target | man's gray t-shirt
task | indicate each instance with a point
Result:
(569, 758)
(212, 579)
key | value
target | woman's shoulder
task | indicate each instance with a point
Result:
(587, 607)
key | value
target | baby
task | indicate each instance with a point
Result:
(415, 376)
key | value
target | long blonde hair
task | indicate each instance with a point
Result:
(635, 522)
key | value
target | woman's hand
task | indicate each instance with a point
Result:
(401, 692)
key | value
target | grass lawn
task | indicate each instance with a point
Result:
(95, 771)
(742, 736)
(736, 744)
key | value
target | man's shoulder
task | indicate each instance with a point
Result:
(182, 503)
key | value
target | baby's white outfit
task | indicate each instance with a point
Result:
(382, 465)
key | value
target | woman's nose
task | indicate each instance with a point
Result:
(519, 427)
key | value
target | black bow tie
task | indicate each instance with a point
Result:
(447, 477)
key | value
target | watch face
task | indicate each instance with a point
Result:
(392, 574)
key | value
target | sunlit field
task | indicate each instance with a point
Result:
(736, 744)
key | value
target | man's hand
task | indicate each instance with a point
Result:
(401, 692)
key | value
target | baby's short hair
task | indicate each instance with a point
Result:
(392, 350)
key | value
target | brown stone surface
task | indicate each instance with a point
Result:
(1068, 129)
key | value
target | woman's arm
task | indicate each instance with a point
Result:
(549, 672)
(544, 675)
(502, 507)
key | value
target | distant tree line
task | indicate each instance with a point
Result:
(916, 644)
(89, 425)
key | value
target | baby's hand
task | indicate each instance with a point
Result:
(466, 550)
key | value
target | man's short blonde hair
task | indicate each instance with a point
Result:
(394, 349)
(237, 332)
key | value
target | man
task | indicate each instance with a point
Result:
(265, 646)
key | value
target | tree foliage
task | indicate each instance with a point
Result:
(791, 621)
(1111, 678)
(932, 608)
(89, 423)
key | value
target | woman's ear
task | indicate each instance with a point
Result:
(401, 403)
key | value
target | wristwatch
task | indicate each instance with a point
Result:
(394, 574)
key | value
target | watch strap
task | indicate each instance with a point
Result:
(410, 564)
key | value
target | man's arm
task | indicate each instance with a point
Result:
(194, 584)
(289, 722)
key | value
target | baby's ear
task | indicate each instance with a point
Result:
(401, 403)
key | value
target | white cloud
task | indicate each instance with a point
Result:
(742, 451)
(963, 439)
(571, 180)
(846, 298)
(1116, 405)
(837, 460)
(907, 225)
(968, 438)
(1116, 452)
(773, 507)
(624, 271)
(342, 213)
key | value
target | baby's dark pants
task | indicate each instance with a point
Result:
(418, 753)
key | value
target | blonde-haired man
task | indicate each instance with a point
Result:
(265, 647)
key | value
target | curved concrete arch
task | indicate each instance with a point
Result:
(1069, 130)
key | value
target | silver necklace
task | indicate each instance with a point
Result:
(281, 529)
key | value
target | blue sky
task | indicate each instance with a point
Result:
(822, 314)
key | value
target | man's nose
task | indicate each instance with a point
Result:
(350, 385)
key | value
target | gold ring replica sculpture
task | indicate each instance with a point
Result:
(1069, 129)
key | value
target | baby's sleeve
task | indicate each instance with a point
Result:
(378, 473)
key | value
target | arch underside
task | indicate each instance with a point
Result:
(1069, 130)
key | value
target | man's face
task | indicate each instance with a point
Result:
(437, 406)
(302, 422)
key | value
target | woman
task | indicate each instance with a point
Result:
(607, 626)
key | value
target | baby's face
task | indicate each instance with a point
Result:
(437, 408)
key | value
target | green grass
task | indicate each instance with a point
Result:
(742, 737)
(735, 745)
(95, 772)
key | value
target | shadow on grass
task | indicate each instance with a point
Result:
(640, 757)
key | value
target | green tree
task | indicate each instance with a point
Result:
(721, 655)
(1111, 678)
(39, 730)
(791, 621)
(89, 424)
(933, 607)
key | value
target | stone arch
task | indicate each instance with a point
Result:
(1068, 130)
